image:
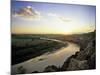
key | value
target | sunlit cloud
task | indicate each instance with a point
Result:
(59, 17)
(27, 13)
(64, 19)
(53, 14)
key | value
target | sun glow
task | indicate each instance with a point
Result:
(49, 19)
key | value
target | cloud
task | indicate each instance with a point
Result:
(52, 14)
(59, 17)
(26, 12)
(64, 19)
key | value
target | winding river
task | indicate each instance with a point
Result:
(56, 58)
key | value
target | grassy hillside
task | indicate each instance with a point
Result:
(25, 47)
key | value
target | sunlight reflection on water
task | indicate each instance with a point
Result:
(41, 62)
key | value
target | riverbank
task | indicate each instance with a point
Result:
(39, 63)
(84, 59)
(25, 47)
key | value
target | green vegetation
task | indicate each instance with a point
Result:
(25, 47)
(85, 59)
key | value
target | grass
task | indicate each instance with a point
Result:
(25, 47)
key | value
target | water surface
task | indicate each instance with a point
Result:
(56, 58)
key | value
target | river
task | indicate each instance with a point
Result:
(56, 58)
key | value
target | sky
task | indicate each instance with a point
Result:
(51, 18)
